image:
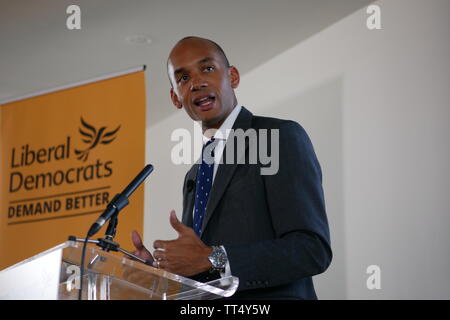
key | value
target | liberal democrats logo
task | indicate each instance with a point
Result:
(93, 137)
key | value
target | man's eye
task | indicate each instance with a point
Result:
(209, 68)
(183, 78)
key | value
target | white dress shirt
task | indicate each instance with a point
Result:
(221, 135)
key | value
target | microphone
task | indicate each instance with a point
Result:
(190, 185)
(119, 201)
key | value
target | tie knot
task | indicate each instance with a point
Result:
(208, 151)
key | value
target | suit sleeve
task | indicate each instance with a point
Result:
(294, 195)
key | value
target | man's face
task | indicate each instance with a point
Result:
(202, 82)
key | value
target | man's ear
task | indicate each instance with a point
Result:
(176, 102)
(234, 77)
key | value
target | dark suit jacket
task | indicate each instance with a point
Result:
(273, 227)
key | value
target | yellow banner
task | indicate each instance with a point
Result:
(64, 155)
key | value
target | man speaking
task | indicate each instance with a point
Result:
(269, 230)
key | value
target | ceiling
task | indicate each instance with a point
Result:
(38, 52)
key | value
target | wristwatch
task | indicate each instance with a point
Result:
(218, 258)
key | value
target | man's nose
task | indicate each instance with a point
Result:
(198, 83)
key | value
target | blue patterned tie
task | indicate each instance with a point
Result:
(203, 187)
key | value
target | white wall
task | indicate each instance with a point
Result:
(376, 106)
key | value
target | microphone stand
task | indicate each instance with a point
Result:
(112, 210)
(108, 244)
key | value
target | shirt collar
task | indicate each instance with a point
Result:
(224, 130)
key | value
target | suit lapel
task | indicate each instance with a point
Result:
(225, 171)
(188, 195)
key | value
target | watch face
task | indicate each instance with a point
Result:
(218, 258)
(221, 260)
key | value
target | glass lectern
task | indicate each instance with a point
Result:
(54, 274)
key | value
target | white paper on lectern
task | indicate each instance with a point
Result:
(34, 278)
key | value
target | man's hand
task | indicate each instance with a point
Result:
(141, 251)
(187, 255)
(134, 275)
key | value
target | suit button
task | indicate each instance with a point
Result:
(247, 283)
(254, 283)
(259, 283)
(266, 283)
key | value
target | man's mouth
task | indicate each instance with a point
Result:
(204, 101)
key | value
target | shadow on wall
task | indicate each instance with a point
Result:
(319, 111)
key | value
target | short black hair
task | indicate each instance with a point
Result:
(227, 63)
(225, 59)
